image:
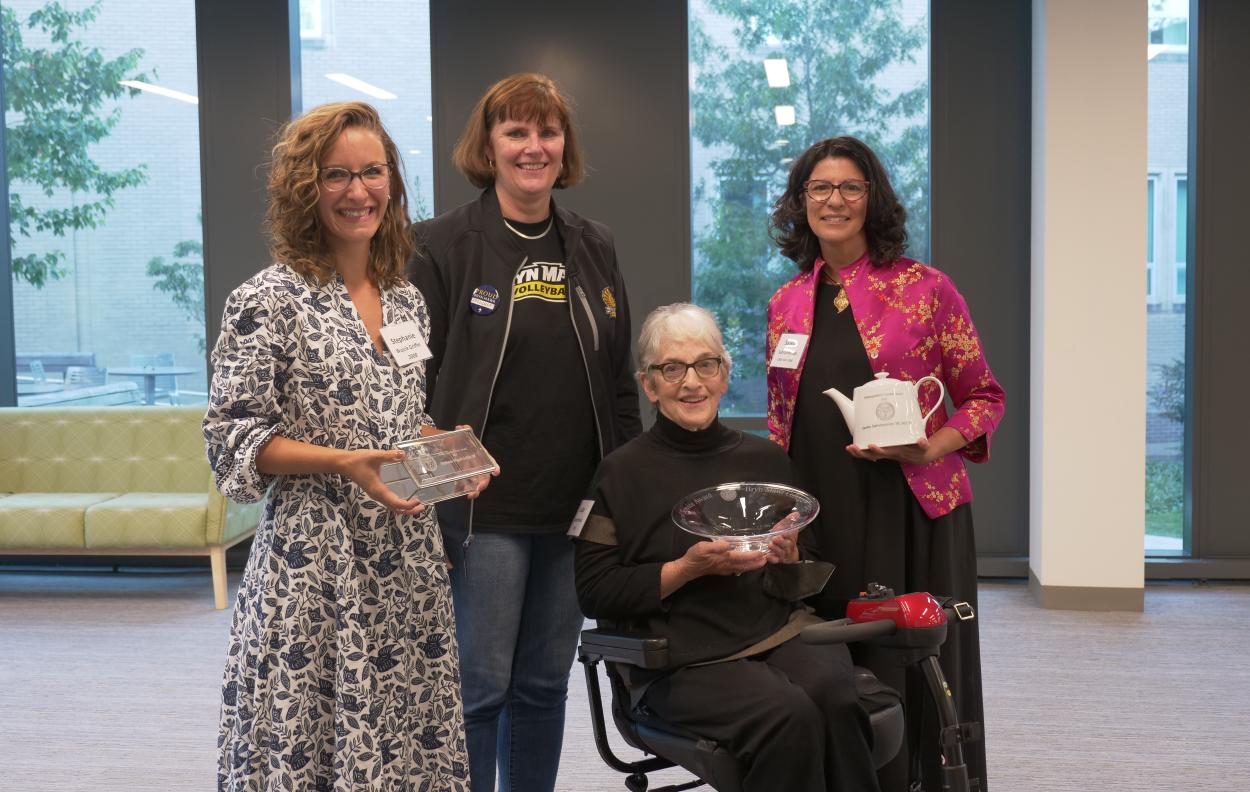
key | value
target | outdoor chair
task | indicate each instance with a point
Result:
(84, 376)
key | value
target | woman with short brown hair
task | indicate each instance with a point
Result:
(530, 338)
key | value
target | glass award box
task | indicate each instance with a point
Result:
(438, 467)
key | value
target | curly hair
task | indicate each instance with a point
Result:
(885, 226)
(521, 97)
(296, 235)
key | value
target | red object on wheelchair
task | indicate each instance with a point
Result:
(917, 610)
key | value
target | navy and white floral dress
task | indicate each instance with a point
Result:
(342, 671)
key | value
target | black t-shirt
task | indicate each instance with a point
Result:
(540, 427)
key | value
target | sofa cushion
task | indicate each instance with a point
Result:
(117, 449)
(148, 519)
(46, 519)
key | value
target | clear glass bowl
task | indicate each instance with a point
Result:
(746, 512)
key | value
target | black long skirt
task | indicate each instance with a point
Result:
(873, 530)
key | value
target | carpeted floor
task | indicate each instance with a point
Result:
(110, 681)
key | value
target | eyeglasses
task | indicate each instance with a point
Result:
(374, 177)
(852, 190)
(676, 372)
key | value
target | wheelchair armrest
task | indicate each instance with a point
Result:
(637, 650)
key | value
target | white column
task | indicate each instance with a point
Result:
(1088, 323)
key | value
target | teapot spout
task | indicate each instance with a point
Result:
(845, 405)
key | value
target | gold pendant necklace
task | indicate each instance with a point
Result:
(840, 300)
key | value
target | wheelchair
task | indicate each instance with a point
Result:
(913, 626)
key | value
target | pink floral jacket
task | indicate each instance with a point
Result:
(913, 323)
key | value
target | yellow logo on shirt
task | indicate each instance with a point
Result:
(542, 280)
(609, 301)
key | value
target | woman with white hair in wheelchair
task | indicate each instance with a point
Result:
(738, 674)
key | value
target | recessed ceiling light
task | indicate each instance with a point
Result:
(784, 114)
(777, 72)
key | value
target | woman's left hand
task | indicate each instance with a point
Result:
(917, 453)
(479, 483)
(783, 549)
(921, 452)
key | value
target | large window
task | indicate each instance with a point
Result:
(1168, 59)
(102, 157)
(765, 86)
(363, 50)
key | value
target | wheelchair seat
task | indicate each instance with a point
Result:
(670, 746)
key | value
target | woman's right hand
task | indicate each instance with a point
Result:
(721, 558)
(363, 467)
(708, 558)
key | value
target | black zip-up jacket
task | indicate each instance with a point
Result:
(469, 247)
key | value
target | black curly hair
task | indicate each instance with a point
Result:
(885, 226)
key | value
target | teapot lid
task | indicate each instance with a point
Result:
(881, 381)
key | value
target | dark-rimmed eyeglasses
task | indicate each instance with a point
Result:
(852, 189)
(674, 371)
(374, 177)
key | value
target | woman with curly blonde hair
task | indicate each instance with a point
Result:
(343, 666)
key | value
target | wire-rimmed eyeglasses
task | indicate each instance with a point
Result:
(852, 189)
(674, 371)
(373, 177)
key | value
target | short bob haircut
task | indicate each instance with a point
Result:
(296, 235)
(886, 222)
(679, 322)
(521, 97)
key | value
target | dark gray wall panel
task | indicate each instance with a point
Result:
(981, 80)
(625, 66)
(1220, 377)
(8, 351)
(248, 71)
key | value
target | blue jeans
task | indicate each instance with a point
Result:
(517, 623)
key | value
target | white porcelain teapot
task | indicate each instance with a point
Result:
(886, 411)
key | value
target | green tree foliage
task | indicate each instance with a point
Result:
(182, 277)
(837, 51)
(1167, 395)
(55, 108)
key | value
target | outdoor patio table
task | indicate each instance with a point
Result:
(149, 374)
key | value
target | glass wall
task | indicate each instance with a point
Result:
(102, 156)
(1168, 60)
(767, 81)
(376, 51)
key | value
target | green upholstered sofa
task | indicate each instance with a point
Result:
(114, 481)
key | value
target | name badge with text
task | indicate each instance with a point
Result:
(579, 519)
(405, 343)
(789, 350)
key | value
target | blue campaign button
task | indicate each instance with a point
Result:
(484, 300)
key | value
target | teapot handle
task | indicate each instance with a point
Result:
(937, 403)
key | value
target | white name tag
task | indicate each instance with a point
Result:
(789, 350)
(405, 343)
(579, 519)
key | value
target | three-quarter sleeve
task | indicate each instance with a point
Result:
(978, 398)
(245, 396)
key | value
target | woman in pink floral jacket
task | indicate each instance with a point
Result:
(899, 515)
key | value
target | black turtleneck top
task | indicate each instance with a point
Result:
(630, 535)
